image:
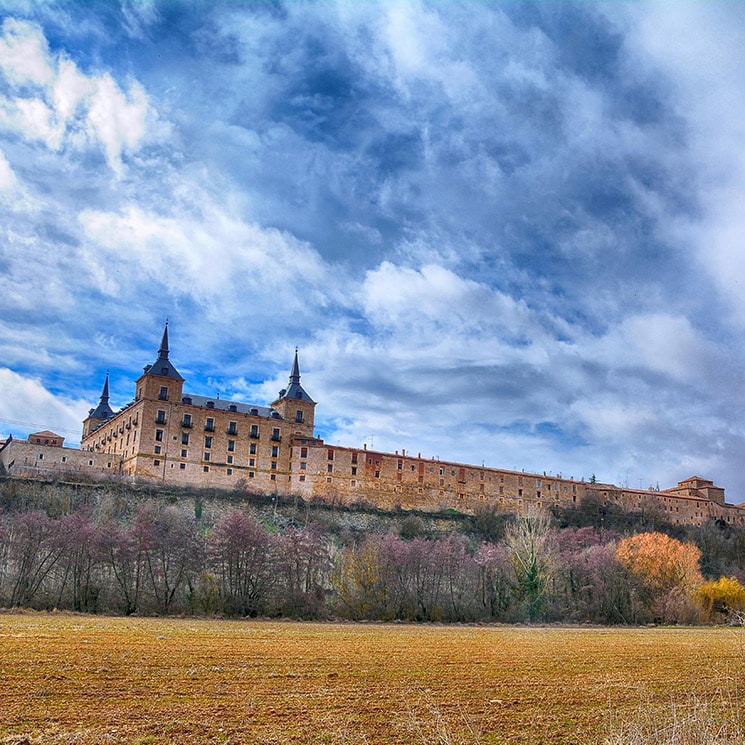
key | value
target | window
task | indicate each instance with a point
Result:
(232, 428)
(400, 465)
(230, 459)
(159, 435)
(231, 446)
(251, 474)
(254, 430)
(209, 424)
(299, 416)
(206, 469)
(330, 467)
(163, 395)
(354, 470)
(273, 477)
(208, 441)
(182, 466)
(303, 465)
(275, 451)
(157, 450)
(184, 438)
(252, 461)
(377, 474)
(161, 418)
(186, 421)
(183, 453)
(274, 465)
(537, 483)
(302, 477)
(275, 434)
(156, 462)
(519, 492)
(230, 471)
(303, 452)
(354, 457)
(206, 456)
(252, 448)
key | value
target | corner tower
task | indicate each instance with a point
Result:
(295, 405)
(161, 380)
(102, 413)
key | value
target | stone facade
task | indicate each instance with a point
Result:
(340, 475)
(173, 437)
(31, 460)
(168, 436)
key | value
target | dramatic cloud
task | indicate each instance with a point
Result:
(52, 102)
(498, 232)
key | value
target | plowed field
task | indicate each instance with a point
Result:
(82, 679)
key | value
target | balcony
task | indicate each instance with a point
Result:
(254, 434)
(232, 430)
(276, 438)
(186, 424)
(209, 427)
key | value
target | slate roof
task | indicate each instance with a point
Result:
(294, 390)
(163, 366)
(103, 410)
(225, 405)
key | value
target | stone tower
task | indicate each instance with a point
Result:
(161, 380)
(295, 405)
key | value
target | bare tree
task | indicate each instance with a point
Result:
(34, 551)
(532, 556)
(241, 553)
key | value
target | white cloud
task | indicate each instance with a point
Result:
(699, 48)
(661, 343)
(24, 54)
(118, 120)
(7, 177)
(433, 298)
(27, 406)
(67, 106)
(207, 252)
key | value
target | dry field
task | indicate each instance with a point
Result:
(82, 679)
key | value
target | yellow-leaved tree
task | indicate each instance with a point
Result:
(667, 569)
(721, 597)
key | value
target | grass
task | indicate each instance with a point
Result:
(695, 721)
(84, 680)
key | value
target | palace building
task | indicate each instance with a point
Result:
(168, 435)
(175, 437)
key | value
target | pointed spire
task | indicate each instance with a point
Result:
(103, 410)
(163, 351)
(295, 374)
(105, 391)
(163, 366)
(294, 390)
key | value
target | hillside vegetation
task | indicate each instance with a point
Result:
(109, 548)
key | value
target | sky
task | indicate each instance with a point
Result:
(506, 233)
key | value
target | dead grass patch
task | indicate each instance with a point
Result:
(88, 680)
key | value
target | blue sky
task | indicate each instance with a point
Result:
(507, 233)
